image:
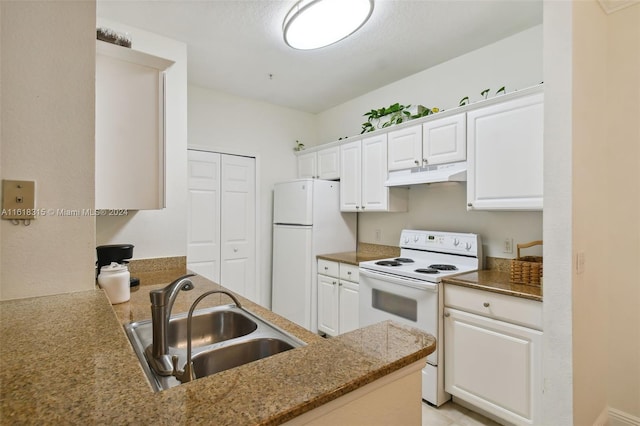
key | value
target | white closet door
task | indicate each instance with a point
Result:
(238, 232)
(203, 228)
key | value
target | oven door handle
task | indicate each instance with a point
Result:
(405, 281)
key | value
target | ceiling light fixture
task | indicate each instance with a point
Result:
(312, 24)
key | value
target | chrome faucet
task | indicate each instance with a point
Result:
(161, 304)
(186, 375)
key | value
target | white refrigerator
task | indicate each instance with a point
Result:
(307, 221)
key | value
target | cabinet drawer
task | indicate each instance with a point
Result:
(511, 309)
(328, 267)
(349, 272)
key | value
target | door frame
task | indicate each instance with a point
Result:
(258, 201)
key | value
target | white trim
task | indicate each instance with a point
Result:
(603, 418)
(620, 418)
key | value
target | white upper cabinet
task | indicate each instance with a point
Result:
(329, 163)
(505, 154)
(129, 129)
(351, 176)
(322, 164)
(438, 141)
(363, 171)
(445, 140)
(405, 148)
(307, 165)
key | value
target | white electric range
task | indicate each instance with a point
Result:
(407, 289)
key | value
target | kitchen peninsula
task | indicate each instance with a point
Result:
(67, 359)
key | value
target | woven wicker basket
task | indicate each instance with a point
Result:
(526, 269)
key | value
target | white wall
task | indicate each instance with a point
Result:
(234, 125)
(621, 147)
(47, 105)
(592, 209)
(557, 399)
(514, 62)
(589, 152)
(158, 233)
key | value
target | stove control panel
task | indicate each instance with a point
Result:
(443, 242)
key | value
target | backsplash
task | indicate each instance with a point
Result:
(158, 270)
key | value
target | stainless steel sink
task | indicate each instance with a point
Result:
(208, 328)
(217, 360)
(224, 337)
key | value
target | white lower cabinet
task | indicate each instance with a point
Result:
(490, 363)
(337, 297)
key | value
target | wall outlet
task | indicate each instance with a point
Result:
(378, 235)
(507, 245)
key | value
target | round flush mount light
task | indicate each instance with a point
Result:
(312, 24)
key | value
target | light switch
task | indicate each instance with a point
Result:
(18, 199)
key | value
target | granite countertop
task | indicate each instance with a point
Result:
(364, 253)
(495, 281)
(66, 359)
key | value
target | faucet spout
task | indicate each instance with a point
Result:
(161, 304)
(187, 374)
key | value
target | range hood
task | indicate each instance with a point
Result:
(451, 172)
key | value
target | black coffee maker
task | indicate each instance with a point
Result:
(119, 253)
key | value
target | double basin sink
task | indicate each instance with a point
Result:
(223, 337)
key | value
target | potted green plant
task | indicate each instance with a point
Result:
(394, 114)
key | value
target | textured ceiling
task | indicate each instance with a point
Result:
(236, 46)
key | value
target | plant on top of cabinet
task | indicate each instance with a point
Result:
(393, 114)
(485, 94)
(299, 146)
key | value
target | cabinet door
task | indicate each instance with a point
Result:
(129, 146)
(375, 196)
(445, 140)
(504, 155)
(405, 148)
(493, 365)
(238, 230)
(307, 165)
(349, 310)
(350, 176)
(329, 163)
(203, 209)
(328, 298)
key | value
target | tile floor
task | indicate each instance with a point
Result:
(452, 414)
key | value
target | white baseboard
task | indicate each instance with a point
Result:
(620, 418)
(603, 418)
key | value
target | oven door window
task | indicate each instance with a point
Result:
(401, 306)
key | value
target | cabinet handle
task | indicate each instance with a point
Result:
(469, 204)
(485, 304)
(362, 207)
(326, 268)
(334, 283)
(424, 160)
(417, 162)
(357, 207)
(447, 314)
(348, 272)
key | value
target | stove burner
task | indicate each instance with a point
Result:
(403, 260)
(388, 263)
(427, 271)
(443, 267)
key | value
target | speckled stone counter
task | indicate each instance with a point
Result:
(496, 281)
(365, 253)
(66, 360)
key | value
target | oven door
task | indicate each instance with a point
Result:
(404, 300)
